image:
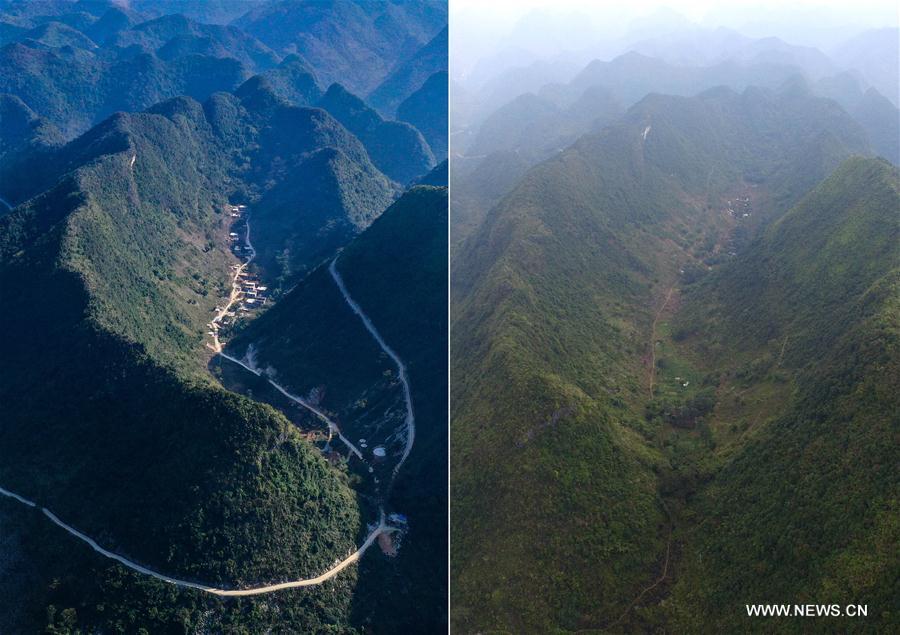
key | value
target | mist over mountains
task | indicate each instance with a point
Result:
(675, 255)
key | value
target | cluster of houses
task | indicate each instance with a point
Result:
(251, 294)
(739, 207)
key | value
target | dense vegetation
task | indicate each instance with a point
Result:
(396, 270)
(396, 147)
(813, 302)
(412, 72)
(558, 302)
(76, 63)
(128, 65)
(419, 110)
(355, 42)
(143, 452)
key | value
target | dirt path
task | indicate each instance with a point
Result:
(646, 590)
(404, 378)
(653, 339)
(381, 528)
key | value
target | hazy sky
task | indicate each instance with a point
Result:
(860, 10)
(482, 28)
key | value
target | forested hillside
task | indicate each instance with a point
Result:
(111, 421)
(128, 137)
(562, 398)
(314, 344)
(795, 497)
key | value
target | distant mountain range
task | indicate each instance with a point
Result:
(614, 441)
(76, 63)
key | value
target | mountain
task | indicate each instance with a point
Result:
(410, 74)
(75, 89)
(173, 36)
(314, 344)
(875, 54)
(356, 43)
(881, 120)
(519, 80)
(292, 80)
(157, 182)
(479, 184)
(438, 177)
(76, 73)
(57, 34)
(709, 47)
(397, 148)
(873, 111)
(25, 141)
(632, 76)
(805, 318)
(557, 303)
(426, 110)
(110, 23)
(110, 276)
(311, 182)
(124, 430)
(208, 11)
(537, 127)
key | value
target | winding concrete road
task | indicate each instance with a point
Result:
(259, 590)
(380, 528)
(235, 293)
(217, 347)
(404, 378)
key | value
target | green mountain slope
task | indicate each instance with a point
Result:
(536, 127)
(25, 141)
(76, 89)
(426, 110)
(314, 345)
(557, 299)
(292, 80)
(122, 260)
(801, 507)
(356, 43)
(411, 73)
(173, 36)
(396, 147)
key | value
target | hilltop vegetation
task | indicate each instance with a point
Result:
(812, 302)
(75, 82)
(411, 73)
(208, 485)
(315, 345)
(560, 295)
(397, 148)
(355, 43)
(418, 109)
(113, 258)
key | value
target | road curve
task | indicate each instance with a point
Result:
(259, 590)
(404, 379)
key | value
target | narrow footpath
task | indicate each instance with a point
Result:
(653, 339)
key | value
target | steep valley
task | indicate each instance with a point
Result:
(139, 448)
(594, 278)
